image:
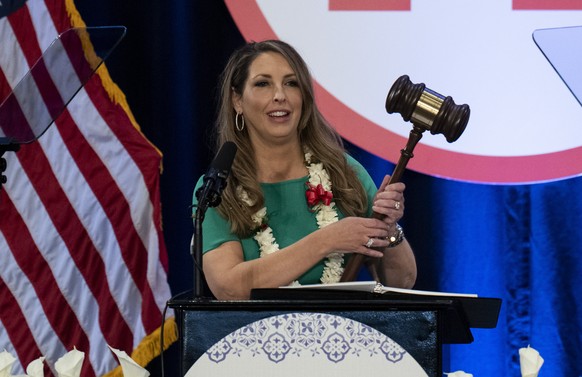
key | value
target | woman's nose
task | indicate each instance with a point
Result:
(279, 94)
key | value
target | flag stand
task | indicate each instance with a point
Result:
(5, 147)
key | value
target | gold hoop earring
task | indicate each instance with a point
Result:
(239, 127)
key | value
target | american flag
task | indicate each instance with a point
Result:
(82, 257)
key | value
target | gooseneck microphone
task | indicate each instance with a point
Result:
(214, 181)
(209, 195)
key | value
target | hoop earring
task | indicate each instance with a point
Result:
(239, 127)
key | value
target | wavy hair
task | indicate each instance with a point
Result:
(315, 134)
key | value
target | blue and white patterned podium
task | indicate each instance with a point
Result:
(292, 333)
(306, 344)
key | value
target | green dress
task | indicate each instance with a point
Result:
(289, 217)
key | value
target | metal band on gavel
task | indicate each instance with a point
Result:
(427, 110)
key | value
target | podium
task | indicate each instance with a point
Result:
(307, 328)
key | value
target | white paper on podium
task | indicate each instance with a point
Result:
(375, 287)
(306, 344)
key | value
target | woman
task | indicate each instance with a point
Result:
(295, 205)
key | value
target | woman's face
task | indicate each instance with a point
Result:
(271, 101)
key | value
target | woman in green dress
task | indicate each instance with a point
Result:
(296, 205)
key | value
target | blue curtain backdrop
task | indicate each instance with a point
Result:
(520, 243)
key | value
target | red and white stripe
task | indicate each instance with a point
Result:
(82, 258)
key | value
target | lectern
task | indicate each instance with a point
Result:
(330, 331)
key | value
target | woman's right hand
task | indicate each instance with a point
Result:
(353, 235)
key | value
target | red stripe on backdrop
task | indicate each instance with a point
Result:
(96, 174)
(547, 4)
(373, 5)
(79, 245)
(56, 308)
(14, 322)
(250, 20)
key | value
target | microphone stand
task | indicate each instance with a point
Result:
(197, 252)
(207, 199)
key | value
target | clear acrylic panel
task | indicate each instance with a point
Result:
(563, 49)
(54, 79)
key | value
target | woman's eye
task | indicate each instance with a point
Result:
(293, 83)
(261, 83)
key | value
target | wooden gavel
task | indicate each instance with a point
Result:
(427, 110)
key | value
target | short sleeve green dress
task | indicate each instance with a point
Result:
(289, 217)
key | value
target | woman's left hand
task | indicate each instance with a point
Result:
(389, 201)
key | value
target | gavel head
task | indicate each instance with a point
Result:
(427, 109)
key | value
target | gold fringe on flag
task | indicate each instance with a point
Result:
(149, 348)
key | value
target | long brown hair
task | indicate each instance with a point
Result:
(314, 133)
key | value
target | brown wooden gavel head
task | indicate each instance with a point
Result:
(427, 109)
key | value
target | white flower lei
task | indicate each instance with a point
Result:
(324, 214)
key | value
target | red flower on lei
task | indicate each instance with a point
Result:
(317, 194)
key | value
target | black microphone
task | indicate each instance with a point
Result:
(209, 194)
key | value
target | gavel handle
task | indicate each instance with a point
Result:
(357, 260)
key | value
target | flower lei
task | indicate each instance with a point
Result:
(319, 197)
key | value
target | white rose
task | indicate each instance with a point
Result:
(243, 196)
(271, 248)
(264, 236)
(315, 173)
(259, 215)
(327, 215)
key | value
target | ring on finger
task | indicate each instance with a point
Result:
(397, 205)
(370, 242)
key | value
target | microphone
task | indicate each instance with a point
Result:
(209, 194)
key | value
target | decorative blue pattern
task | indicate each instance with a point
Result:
(308, 335)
